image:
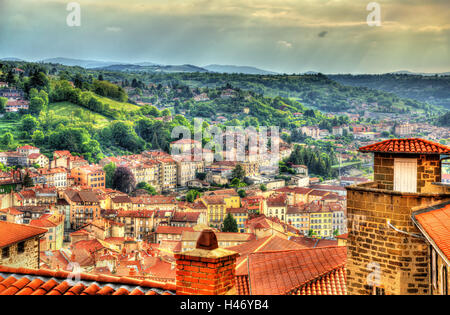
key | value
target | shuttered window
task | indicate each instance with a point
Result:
(405, 175)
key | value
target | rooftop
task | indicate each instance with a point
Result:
(290, 271)
(12, 233)
(21, 281)
(435, 223)
(410, 146)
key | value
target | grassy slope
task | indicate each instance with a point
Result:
(71, 110)
(116, 104)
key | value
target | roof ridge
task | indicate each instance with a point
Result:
(90, 277)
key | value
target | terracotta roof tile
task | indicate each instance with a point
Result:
(411, 145)
(13, 233)
(22, 281)
(284, 272)
(333, 283)
(436, 223)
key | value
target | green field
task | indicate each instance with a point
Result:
(9, 125)
(72, 110)
(117, 105)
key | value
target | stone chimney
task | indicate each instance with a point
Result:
(206, 270)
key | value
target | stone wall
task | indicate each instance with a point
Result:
(428, 170)
(400, 260)
(28, 259)
(439, 290)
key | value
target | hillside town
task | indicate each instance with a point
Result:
(322, 238)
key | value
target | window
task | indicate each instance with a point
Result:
(5, 252)
(405, 175)
(444, 280)
(434, 269)
(21, 247)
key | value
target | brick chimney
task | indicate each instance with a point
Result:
(206, 270)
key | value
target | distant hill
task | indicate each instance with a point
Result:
(430, 89)
(11, 59)
(418, 73)
(89, 64)
(152, 68)
(237, 69)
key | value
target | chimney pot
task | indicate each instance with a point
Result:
(207, 240)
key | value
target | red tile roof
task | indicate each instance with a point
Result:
(333, 283)
(285, 272)
(11, 233)
(268, 243)
(21, 281)
(436, 223)
(313, 242)
(413, 145)
(172, 229)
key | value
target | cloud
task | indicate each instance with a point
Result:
(273, 34)
(114, 29)
(285, 43)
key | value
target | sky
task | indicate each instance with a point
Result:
(287, 36)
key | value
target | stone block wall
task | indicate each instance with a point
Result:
(28, 259)
(377, 254)
(428, 170)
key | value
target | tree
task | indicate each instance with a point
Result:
(230, 224)
(242, 193)
(123, 180)
(109, 174)
(146, 186)
(7, 139)
(36, 105)
(263, 187)
(38, 138)
(238, 172)
(27, 181)
(192, 195)
(3, 101)
(29, 124)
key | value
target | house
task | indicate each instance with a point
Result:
(170, 233)
(184, 146)
(383, 225)
(11, 215)
(240, 215)
(19, 245)
(277, 207)
(13, 105)
(188, 219)
(39, 159)
(224, 239)
(54, 177)
(89, 176)
(434, 225)
(26, 150)
(54, 238)
(84, 207)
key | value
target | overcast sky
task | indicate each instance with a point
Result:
(330, 36)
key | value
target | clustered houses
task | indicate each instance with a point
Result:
(156, 168)
(399, 222)
(24, 156)
(16, 98)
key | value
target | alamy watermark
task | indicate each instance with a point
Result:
(74, 17)
(374, 17)
(235, 143)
